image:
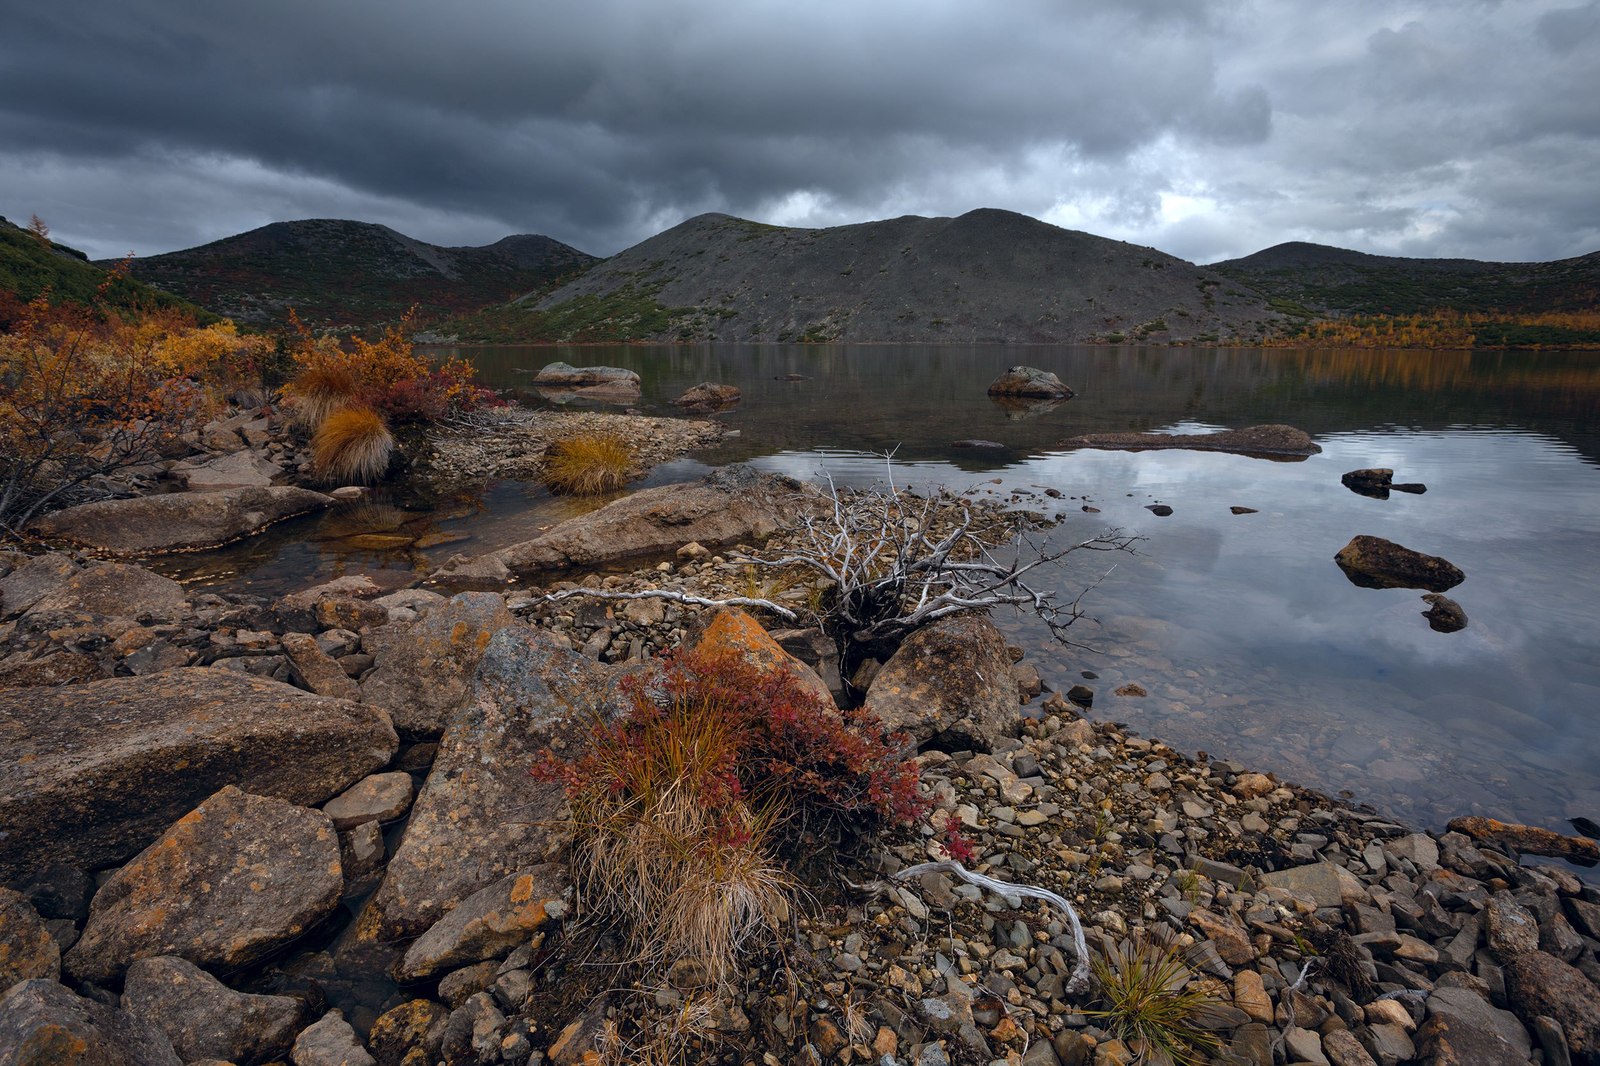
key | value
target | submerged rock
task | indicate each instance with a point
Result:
(181, 521)
(1029, 381)
(1373, 481)
(1375, 563)
(949, 683)
(95, 772)
(1444, 615)
(270, 871)
(708, 396)
(1261, 442)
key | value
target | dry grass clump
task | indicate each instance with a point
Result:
(587, 464)
(321, 388)
(1154, 1004)
(352, 445)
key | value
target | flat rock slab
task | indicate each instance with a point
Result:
(180, 521)
(238, 470)
(1528, 839)
(95, 772)
(1259, 442)
(489, 923)
(379, 798)
(949, 681)
(44, 1024)
(567, 376)
(33, 580)
(727, 507)
(480, 816)
(1375, 563)
(114, 590)
(1325, 884)
(423, 669)
(203, 1018)
(231, 881)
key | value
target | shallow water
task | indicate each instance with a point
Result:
(1251, 642)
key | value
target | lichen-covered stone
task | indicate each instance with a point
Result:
(950, 681)
(27, 950)
(734, 632)
(379, 798)
(489, 923)
(423, 669)
(408, 1035)
(44, 1024)
(1373, 562)
(113, 590)
(178, 521)
(205, 1019)
(1539, 984)
(229, 882)
(95, 772)
(480, 816)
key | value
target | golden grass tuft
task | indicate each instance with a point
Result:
(587, 464)
(320, 389)
(352, 445)
(1155, 1004)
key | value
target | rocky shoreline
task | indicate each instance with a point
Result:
(344, 770)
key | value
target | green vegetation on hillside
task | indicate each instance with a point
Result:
(630, 313)
(31, 267)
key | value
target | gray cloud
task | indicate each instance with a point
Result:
(1206, 129)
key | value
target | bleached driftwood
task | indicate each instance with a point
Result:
(676, 597)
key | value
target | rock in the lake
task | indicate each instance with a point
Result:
(708, 396)
(179, 521)
(269, 870)
(1444, 615)
(90, 778)
(205, 1019)
(566, 376)
(480, 816)
(1528, 839)
(1029, 381)
(1160, 510)
(1373, 562)
(1374, 482)
(423, 669)
(489, 923)
(731, 505)
(27, 950)
(949, 683)
(44, 1024)
(114, 590)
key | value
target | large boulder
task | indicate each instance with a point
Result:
(708, 396)
(205, 1019)
(34, 579)
(114, 590)
(730, 506)
(179, 521)
(423, 669)
(949, 683)
(566, 376)
(95, 772)
(44, 1024)
(480, 815)
(734, 632)
(1029, 381)
(1375, 563)
(230, 882)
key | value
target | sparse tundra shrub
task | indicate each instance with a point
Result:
(690, 807)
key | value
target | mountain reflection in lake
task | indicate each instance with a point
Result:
(1250, 641)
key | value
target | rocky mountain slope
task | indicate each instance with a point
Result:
(987, 276)
(1323, 279)
(337, 273)
(29, 267)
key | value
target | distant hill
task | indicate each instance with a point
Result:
(1320, 280)
(29, 267)
(987, 276)
(340, 274)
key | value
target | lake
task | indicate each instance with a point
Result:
(1251, 643)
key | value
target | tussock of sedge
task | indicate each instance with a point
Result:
(320, 389)
(352, 445)
(587, 465)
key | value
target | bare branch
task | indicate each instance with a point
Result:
(675, 597)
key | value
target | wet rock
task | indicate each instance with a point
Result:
(489, 923)
(1373, 562)
(729, 506)
(1444, 615)
(330, 1042)
(949, 684)
(408, 1035)
(1031, 382)
(423, 669)
(1082, 695)
(1373, 482)
(271, 869)
(44, 1024)
(114, 590)
(27, 950)
(1263, 442)
(1160, 510)
(708, 396)
(1528, 839)
(89, 776)
(566, 376)
(1538, 984)
(1236, 509)
(203, 1018)
(480, 816)
(379, 798)
(991, 445)
(178, 521)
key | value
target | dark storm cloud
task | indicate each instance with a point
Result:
(1201, 127)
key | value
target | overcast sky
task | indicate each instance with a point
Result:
(1207, 128)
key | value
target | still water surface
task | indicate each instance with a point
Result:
(1250, 641)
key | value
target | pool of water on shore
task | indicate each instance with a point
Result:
(1250, 641)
